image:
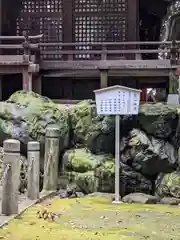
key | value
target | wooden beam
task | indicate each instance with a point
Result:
(106, 64)
(103, 78)
(111, 73)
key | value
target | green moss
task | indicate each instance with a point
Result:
(26, 115)
(81, 160)
(95, 218)
(170, 185)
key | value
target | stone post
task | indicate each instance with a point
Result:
(33, 170)
(51, 159)
(11, 177)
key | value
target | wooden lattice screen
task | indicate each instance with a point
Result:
(81, 21)
(100, 21)
(42, 16)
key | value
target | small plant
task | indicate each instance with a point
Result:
(44, 214)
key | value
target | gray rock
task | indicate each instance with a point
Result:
(100, 194)
(149, 156)
(80, 194)
(140, 198)
(170, 201)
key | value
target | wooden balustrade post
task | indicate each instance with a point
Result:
(11, 177)
(51, 159)
(173, 52)
(104, 53)
(33, 170)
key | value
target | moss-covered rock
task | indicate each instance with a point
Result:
(130, 180)
(89, 172)
(82, 160)
(159, 120)
(25, 116)
(168, 185)
(97, 133)
(81, 116)
(82, 182)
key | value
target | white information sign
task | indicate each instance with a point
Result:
(117, 100)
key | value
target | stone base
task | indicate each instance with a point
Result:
(173, 99)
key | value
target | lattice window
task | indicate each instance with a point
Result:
(99, 29)
(42, 16)
(99, 21)
(100, 5)
(42, 6)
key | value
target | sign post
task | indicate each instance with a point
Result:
(117, 100)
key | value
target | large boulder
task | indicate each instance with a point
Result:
(148, 155)
(159, 120)
(26, 115)
(168, 185)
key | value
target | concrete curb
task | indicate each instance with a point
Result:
(23, 206)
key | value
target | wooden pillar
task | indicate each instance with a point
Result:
(37, 84)
(132, 25)
(103, 78)
(173, 96)
(68, 27)
(27, 80)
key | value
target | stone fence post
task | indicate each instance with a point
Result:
(51, 159)
(33, 170)
(11, 175)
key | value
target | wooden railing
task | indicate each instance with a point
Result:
(110, 50)
(18, 48)
(57, 51)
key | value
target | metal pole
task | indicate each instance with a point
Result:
(117, 159)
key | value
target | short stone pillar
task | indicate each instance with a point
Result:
(33, 170)
(11, 175)
(51, 159)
